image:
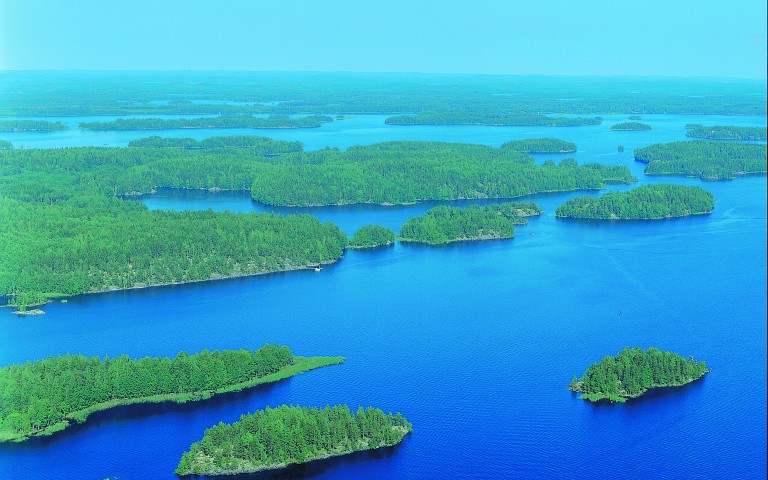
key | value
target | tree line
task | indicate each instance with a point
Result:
(541, 145)
(631, 126)
(495, 119)
(727, 133)
(224, 121)
(709, 160)
(31, 126)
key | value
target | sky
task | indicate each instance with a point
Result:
(553, 37)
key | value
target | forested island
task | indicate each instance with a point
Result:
(46, 396)
(728, 133)
(224, 121)
(541, 145)
(255, 145)
(631, 126)
(491, 120)
(5, 145)
(31, 126)
(275, 438)
(649, 202)
(709, 160)
(633, 372)
(370, 236)
(444, 224)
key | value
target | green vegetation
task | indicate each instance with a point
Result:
(541, 145)
(635, 117)
(709, 160)
(31, 126)
(46, 396)
(370, 236)
(649, 202)
(443, 224)
(4, 145)
(234, 121)
(490, 119)
(631, 126)
(255, 145)
(621, 148)
(633, 372)
(728, 133)
(277, 437)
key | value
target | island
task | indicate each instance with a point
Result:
(709, 160)
(728, 133)
(491, 120)
(635, 117)
(649, 202)
(631, 126)
(541, 145)
(370, 236)
(253, 144)
(5, 145)
(258, 441)
(31, 126)
(47, 396)
(633, 372)
(444, 224)
(224, 121)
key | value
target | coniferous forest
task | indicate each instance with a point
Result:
(709, 160)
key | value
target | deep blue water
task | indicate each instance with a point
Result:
(474, 343)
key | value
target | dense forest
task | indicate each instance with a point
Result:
(710, 160)
(631, 126)
(633, 372)
(369, 236)
(541, 145)
(278, 437)
(228, 121)
(45, 396)
(5, 145)
(31, 126)
(649, 202)
(490, 119)
(443, 224)
(255, 145)
(727, 133)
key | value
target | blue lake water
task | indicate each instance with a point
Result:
(474, 343)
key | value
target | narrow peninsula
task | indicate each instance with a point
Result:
(443, 224)
(258, 441)
(709, 160)
(44, 397)
(649, 202)
(633, 372)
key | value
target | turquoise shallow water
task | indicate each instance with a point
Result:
(474, 343)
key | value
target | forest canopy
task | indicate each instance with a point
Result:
(710, 160)
(728, 133)
(540, 145)
(31, 126)
(631, 126)
(369, 236)
(228, 121)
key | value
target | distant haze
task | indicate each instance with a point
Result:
(555, 37)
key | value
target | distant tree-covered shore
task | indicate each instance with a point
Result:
(728, 133)
(709, 160)
(233, 121)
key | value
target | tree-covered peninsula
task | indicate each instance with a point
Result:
(649, 202)
(443, 224)
(491, 119)
(224, 121)
(541, 145)
(370, 236)
(728, 133)
(633, 372)
(709, 160)
(255, 145)
(631, 126)
(31, 126)
(275, 438)
(46, 396)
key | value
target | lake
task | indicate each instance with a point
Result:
(474, 343)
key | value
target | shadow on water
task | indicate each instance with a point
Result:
(654, 394)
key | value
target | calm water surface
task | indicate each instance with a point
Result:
(474, 343)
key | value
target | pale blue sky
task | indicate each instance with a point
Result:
(560, 37)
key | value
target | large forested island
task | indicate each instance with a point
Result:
(649, 202)
(370, 236)
(631, 126)
(541, 145)
(633, 372)
(46, 396)
(260, 146)
(444, 224)
(491, 119)
(233, 121)
(278, 437)
(31, 126)
(727, 133)
(709, 160)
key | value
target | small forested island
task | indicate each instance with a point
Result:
(275, 438)
(224, 121)
(728, 133)
(633, 372)
(5, 145)
(46, 396)
(649, 202)
(631, 126)
(541, 145)
(255, 145)
(369, 236)
(709, 160)
(31, 126)
(634, 117)
(491, 120)
(444, 224)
